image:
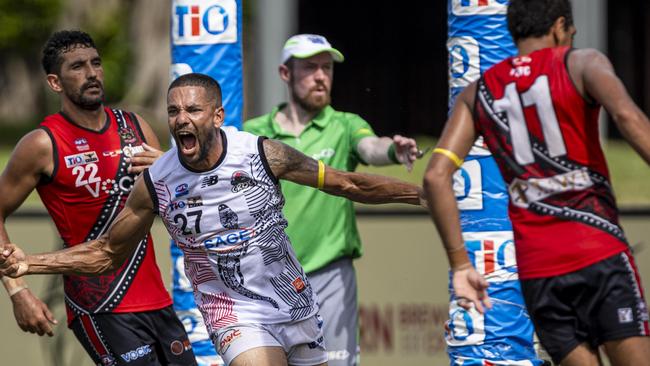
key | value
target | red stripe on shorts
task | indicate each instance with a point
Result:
(91, 331)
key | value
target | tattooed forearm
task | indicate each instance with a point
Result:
(290, 164)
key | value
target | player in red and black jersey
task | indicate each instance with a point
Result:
(538, 114)
(83, 162)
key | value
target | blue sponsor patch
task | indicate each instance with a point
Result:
(182, 190)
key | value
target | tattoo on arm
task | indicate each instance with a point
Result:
(290, 164)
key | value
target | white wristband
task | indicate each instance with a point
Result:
(16, 290)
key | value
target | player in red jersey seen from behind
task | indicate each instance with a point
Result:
(83, 162)
(538, 114)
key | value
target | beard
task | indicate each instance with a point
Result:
(90, 103)
(310, 102)
(206, 145)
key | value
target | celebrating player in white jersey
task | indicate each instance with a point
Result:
(219, 197)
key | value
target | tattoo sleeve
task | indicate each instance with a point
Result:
(292, 165)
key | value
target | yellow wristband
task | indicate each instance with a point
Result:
(450, 154)
(321, 174)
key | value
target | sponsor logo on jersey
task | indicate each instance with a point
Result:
(194, 202)
(323, 154)
(625, 315)
(129, 151)
(240, 180)
(182, 190)
(210, 180)
(175, 205)
(226, 339)
(80, 159)
(340, 355)
(229, 240)
(127, 135)
(204, 22)
(107, 360)
(136, 353)
(112, 153)
(523, 192)
(178, 347)
(81, 144)
(298, 284)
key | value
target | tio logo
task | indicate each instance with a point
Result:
(479, 7)
(204, 22)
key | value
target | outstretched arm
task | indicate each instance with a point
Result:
(386, 150)
(456, 140)
(99, 256)
(292, 165)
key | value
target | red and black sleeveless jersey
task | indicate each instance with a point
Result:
(544, 137)
(88, 188)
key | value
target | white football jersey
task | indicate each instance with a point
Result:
(228, 221)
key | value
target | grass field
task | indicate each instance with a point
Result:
(630, 174)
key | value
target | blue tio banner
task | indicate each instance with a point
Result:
(206, 37)
(478, 38)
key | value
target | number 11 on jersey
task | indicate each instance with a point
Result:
(513, 104)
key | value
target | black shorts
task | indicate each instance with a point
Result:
(135, 339)
(596, 304)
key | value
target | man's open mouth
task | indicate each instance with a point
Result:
(187, 140)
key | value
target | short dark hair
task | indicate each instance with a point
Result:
(60, 43)
(195, 79)
(534, 18)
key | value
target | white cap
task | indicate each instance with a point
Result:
(308, 45)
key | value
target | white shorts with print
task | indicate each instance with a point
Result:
(302, 341)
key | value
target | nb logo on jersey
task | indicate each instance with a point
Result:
(204, 22)
(210, 180)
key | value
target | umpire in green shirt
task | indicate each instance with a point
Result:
(322, 228)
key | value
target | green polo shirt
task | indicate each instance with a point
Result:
(322, 228)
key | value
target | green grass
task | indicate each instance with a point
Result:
(630, 174)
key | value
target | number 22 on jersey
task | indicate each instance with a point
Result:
(87, 177)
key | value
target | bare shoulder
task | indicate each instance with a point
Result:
(35, 144)
(148, 132)
(583, 59)
(586, 54)
(33, 154)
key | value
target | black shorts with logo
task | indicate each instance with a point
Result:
(596, 304)
(135, 339)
